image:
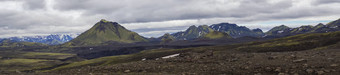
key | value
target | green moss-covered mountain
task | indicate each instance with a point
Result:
(236, 31)
(106, 31)
(282, 31)
(202, 31)
(10, 43)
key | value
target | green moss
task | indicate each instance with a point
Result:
(20, 61)
(216, 35)
(41, 55)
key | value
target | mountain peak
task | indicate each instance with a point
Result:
(320, 24)
(106, 31)
(228, 24)
(257, 30)
(235, 30)
(167, 38)
(103, 20)
(192, 26)
(203, 26)
(283, 26)
(277, 29)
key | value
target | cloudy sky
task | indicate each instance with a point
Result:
(156, 17)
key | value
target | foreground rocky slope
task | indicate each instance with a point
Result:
(229, 62)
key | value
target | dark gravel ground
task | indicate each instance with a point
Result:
(227, 62)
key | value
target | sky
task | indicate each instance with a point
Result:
(153, 18)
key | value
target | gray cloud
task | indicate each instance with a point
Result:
(326, 1)
(129, 11)
(34, 4)
(151, 17)
(177, 28)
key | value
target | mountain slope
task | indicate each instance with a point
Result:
(236, 31)
(334, 24)
(106, 31)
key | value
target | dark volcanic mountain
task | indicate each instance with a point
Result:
(236, 31)
(106, 31)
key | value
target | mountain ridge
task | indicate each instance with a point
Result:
(282, 30)
(52, 39)
(199, 32)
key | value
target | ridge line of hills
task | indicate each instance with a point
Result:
(109, 48)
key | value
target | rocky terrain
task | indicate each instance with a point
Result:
(227, 62)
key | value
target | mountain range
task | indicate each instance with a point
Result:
(215, 31)
(52, 39)
(236, 31)
(202, 31)
(108, 32)
(282, 30)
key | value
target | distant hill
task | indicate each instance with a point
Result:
(282, 31)
(52, 39)
(236, 31)
(106, 31)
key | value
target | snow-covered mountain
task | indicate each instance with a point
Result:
(52, 39)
